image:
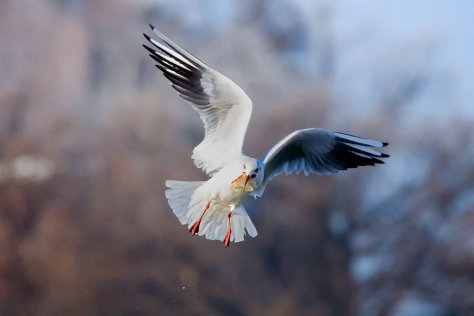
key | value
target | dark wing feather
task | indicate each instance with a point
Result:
(319, 151)
(184, 75)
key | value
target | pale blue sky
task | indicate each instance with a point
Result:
(373, 38)
(449, 25)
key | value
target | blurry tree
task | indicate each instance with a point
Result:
(95, 236)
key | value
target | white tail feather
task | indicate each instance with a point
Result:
(241, 223)
(188, 202)
(214, 224)
(179, 198)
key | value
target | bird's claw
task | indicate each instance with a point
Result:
(226, 240)
(194, 228)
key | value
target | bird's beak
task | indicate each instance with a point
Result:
(241, 183)
(246, 179)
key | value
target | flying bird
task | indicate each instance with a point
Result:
(214, 208)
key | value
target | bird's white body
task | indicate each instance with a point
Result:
(220, 184)
(218, 197)
(214, 208)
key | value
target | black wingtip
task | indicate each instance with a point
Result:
(159, 67)
(147, 37)
(151, 26)
(149, 49)
(384, 144)
(375, 161)
(385, 155)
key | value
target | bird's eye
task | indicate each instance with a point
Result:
(253, 176)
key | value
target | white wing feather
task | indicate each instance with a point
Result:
(223, 106)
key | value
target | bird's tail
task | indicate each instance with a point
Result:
(188, 203)
(179, 197)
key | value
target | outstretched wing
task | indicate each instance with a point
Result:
(223, 106)
(319, 151)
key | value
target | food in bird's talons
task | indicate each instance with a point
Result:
(242, 183)
(248, 188)
(194, 228)
(226, 240)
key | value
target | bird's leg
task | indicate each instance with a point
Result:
(194, 228)
(226, 240)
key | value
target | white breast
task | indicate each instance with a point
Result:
(220, 186)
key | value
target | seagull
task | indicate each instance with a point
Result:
(214, 208)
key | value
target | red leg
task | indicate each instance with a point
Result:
(226, 240)
(194, 228)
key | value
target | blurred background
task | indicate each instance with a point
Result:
(90, 130)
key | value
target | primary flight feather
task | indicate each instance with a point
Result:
(213, 208)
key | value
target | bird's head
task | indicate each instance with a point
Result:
(250, 177)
